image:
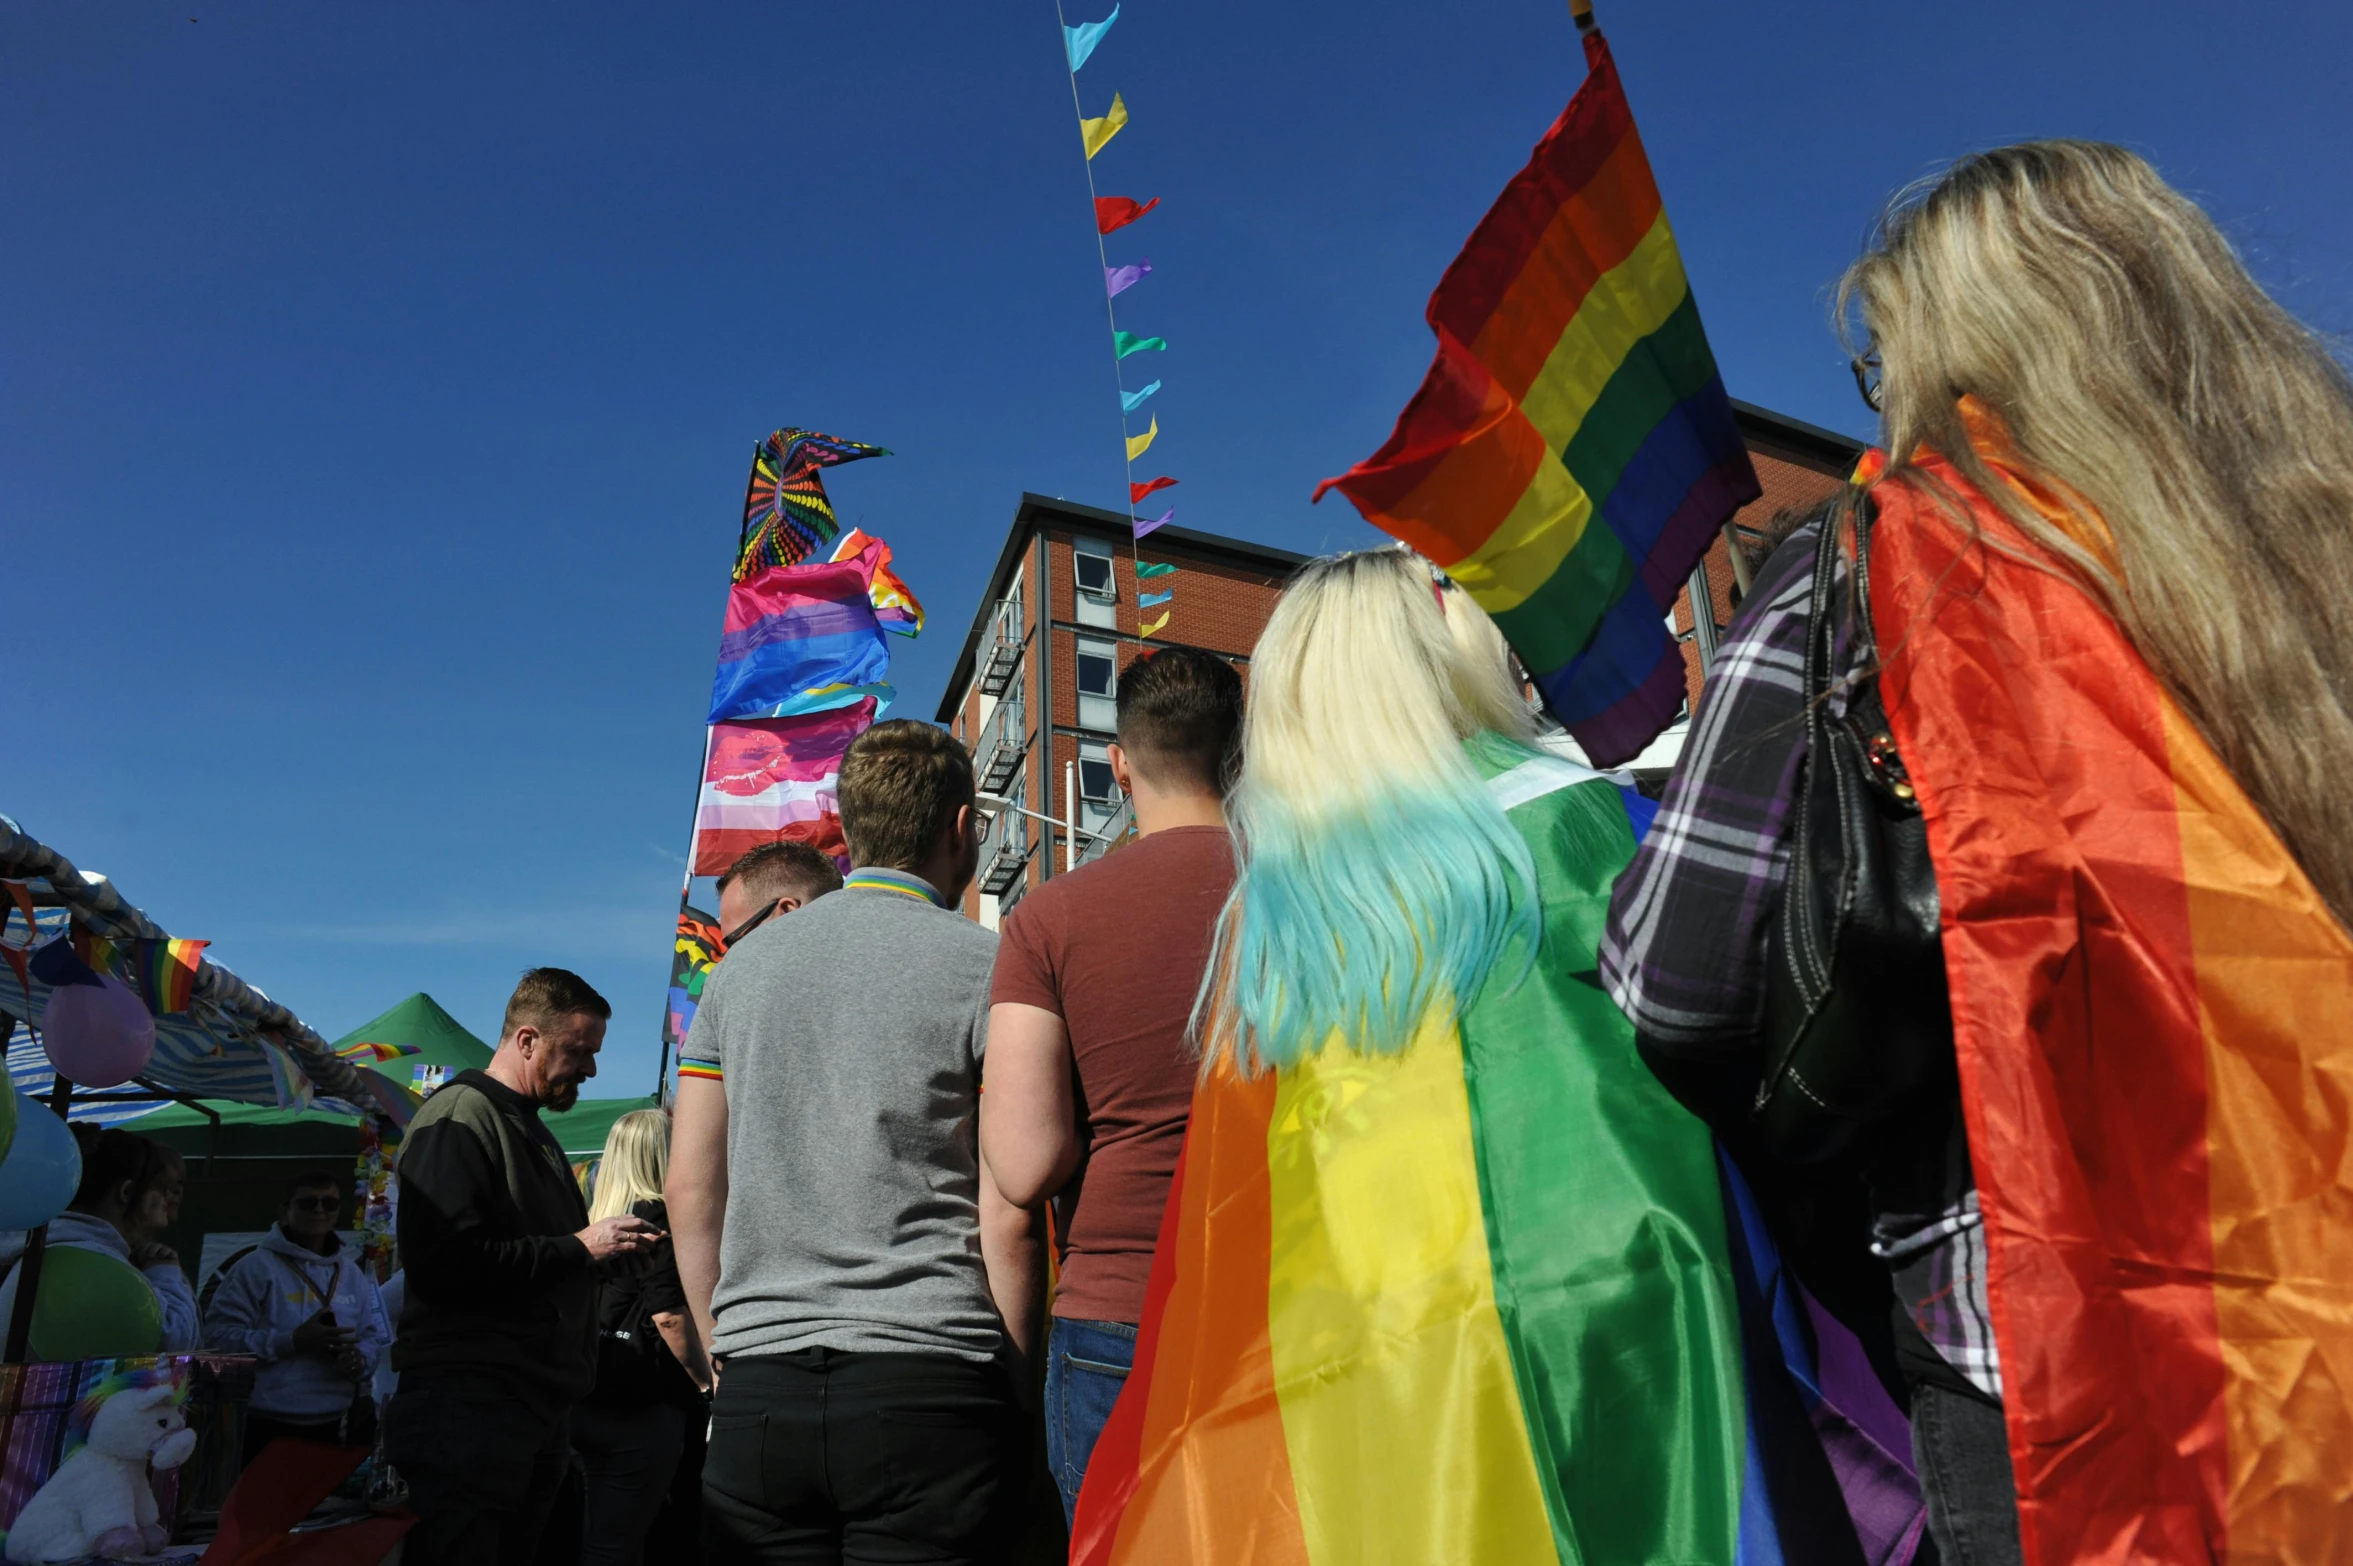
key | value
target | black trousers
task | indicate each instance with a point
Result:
(822, 1458)
(484, 1471)
(628, 1456)
(1963, 1455)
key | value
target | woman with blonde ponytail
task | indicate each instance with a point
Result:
(2107, 533)
(1446, 1275)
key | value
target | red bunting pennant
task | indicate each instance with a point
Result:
(1119, 211)
(1136, 492)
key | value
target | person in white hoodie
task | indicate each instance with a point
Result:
(301, 1304)
(118, 1171)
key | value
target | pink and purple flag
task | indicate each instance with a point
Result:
(771, 780)
(800, 639)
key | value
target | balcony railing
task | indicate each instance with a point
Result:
(1004, 740)
(1004, 851)
(1000, 647)
(1121, 822)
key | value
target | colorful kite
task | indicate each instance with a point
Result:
(1571, 453)
(786, 516)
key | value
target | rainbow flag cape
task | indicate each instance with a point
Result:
(1571, 453)
(786, 515)
(2153, 1012)
(1479, 1301)
(770, 780)
(895, 608)
(800, 639)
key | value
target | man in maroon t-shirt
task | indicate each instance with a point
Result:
(1088, 1078)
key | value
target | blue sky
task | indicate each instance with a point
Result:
(377, 384)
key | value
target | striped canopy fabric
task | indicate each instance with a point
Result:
(2153, 1012)
(1572, 452)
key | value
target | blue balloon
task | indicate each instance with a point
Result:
(42, 1169)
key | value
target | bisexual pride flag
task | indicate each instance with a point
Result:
(1571, 453)
(801, 639)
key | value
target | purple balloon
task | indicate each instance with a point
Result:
(97, 1035)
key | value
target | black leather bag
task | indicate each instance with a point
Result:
(1857, 1019)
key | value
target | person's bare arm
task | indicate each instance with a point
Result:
(696, 1193)
(1028, 1117)
(686, 1345)
(1013, 1249)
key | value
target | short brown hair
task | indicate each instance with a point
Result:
(901, 783)
(1180, 717)
(546, 996)
(785, 869)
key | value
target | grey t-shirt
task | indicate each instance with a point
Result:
(848, 1038)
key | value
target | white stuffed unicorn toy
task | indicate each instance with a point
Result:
(99, 1501)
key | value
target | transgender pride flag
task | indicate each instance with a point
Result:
(801, 639)
(772, 779)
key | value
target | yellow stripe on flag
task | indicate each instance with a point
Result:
(1381, 1316)
(1630, 301)
(1137, 445)
(1097, 134)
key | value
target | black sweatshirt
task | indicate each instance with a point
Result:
(497, 1285)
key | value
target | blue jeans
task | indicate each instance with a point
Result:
(1086, 1364)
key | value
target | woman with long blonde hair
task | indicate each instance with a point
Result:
(640, 1432)
(2104, 540)
(1446, 1276)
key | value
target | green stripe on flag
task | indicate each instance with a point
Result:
(1605, 1225)
(1670, 365)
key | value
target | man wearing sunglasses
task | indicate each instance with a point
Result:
(774, 878)
(301, 1304)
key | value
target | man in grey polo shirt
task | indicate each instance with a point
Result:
(869, 1295)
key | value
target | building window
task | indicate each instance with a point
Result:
(1098, 681)
(1098, 794)
(1098, 592)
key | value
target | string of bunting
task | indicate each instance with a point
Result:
(1113, 213)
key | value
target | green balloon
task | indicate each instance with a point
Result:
(7, 1120)
(92, 1306)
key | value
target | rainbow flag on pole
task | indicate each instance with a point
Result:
(1571, 453)
(2153, 1014)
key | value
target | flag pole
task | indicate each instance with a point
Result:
(743, 534)
(1582, 11)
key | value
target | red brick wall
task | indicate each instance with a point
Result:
(1787, 487)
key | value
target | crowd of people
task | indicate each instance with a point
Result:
(893, 1244)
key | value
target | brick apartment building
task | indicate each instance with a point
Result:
(1031, 692)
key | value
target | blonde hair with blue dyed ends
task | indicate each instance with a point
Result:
(1375, 879)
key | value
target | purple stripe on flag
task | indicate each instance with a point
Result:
(806, 622)
(1616, 735)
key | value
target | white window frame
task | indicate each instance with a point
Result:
(1097, 710)
(1096, 605)
(1095, 809)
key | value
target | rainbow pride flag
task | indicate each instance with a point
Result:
(1571, 453)
(374, 1053)
(787, 517)
(167, 973)
(800, 639)
(2153, 1013)
(1490, 1299)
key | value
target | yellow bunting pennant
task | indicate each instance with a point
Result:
(1097, 134)
(1137, 445)
(1154, 627)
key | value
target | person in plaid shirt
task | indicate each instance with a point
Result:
(1683, 956)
